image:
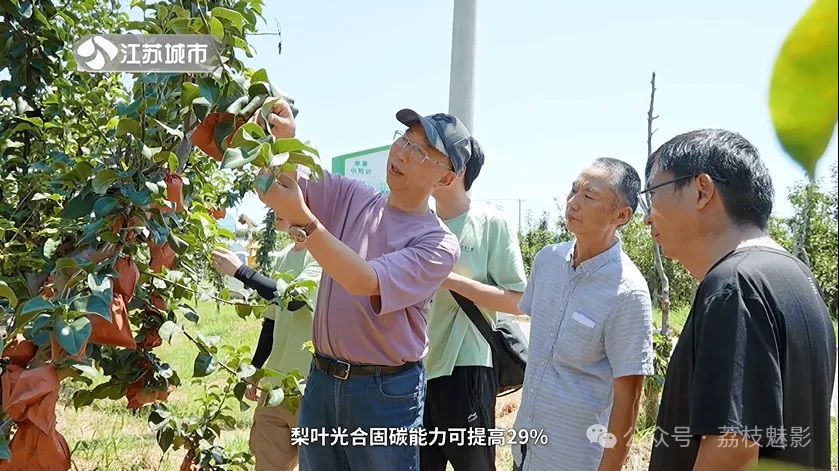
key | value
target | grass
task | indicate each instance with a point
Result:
(108, 437)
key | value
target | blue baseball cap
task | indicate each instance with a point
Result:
(444, 132)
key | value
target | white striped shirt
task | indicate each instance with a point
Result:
(589, 325)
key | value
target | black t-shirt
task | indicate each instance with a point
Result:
(757, 356)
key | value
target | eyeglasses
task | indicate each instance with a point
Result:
(416, 152)
(644, 202)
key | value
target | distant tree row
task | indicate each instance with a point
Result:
(813, 203)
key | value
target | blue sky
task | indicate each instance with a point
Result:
(557, 83)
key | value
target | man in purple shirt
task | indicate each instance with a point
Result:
(383, 257)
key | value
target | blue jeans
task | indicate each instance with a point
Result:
(354, 406)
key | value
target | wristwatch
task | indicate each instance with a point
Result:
(301, 234)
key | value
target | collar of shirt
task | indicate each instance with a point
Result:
(593, 264)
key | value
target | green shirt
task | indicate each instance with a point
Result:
(292, 328)
(490, 254)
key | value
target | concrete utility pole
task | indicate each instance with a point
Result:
(462, 79)
(462, 75)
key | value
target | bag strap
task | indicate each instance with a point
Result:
(478, 319)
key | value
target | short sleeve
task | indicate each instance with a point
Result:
(412, 275)
(333, 192)
(505, 264)
(628, 336)
(526, 302)
(737, 373)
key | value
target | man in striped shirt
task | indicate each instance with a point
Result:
(591, 332)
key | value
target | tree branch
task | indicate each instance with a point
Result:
(155, 275)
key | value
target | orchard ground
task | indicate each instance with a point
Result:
(108, 437)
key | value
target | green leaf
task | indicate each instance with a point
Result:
(243, 310)
(165, 437)
(101, 286)
(93, 305)
(238, 105)
(264, 182)
(267, 105)
(292, 145)
(102, 181)
(275, 397)
(233, 158)
(72, 336)
(803, 90)
(235, 18)
(278, 159)
(80, 205)
(216, 29)
(259, 88)
(154, 188)
(201, 107)
(35, 305)
(177, 244)
(189, 92)
(306, 160)
(8, 293)
(225, 233)
(239, 390)
(222, 130)
(105, 206)
(138, 198)
(5, 453)
(128, 109)
(129, 126)
(109, 237)
(189, 313)
(168, 330)
(170, 131)
(261, 155)
(62, 263)
(82, 398)
(252, 106)
(245, 370)
(209, 89)
(247, 136)
(260, 75)
(204, 365)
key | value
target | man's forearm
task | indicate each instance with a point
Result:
(621, 423)
(343, 264)
(489, 297)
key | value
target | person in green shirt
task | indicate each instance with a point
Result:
(461, 382)
(280, 348)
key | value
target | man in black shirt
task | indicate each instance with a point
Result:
(751, 376)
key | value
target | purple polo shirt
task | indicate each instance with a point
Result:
(411, 255)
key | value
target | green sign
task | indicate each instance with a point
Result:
(368, 166)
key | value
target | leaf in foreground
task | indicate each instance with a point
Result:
(803, 90)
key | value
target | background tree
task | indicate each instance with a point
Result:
(108, 216)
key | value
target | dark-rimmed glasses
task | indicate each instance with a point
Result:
(643, 201)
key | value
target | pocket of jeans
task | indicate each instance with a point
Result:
(401, 386)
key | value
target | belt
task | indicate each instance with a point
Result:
(341, 369)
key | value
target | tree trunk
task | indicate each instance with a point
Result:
(664, 302)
